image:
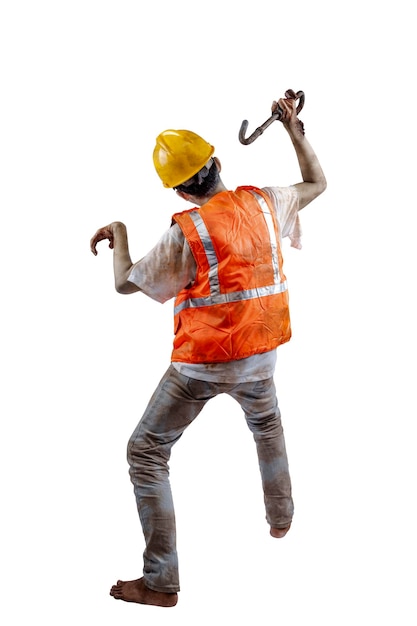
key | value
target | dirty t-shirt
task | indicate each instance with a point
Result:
(170, 266)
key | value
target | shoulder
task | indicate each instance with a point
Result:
(282, 195)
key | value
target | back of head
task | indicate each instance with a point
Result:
(180, 155)
(202, 184)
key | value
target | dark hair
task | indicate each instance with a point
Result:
(200, 190)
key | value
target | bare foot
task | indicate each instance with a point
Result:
(136, 591)
(279, 532)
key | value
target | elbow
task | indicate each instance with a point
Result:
(309, 191)
(125, 287)
(120, 288)
(321, 185)
(122, 283)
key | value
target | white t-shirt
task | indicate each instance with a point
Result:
(170, 266)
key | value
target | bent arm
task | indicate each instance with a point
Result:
(167, 269)
(314, 180)
(116, 233)
(122, 263)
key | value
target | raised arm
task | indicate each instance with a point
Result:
(314, 181)
(122, 263)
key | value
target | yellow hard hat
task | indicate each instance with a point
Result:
(178, 155)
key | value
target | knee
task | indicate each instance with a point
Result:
(134, 453)
(145, 452)
(266, 426)
(139, 465)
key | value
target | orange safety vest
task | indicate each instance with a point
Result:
(238, 303)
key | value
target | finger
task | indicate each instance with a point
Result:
(286, 103)
(287, 106)
(93, 244)
(290, 94)
(284, 108)
(99, 236)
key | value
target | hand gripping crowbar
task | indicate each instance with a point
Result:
(275, 116)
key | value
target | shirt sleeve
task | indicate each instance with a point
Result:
(285, 200)
(167, 268)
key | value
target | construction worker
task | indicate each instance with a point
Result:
(222, 262)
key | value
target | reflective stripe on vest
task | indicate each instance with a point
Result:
(215, 297)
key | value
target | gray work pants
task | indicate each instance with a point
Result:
(174, 405)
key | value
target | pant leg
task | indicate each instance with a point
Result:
(259, 403)
(174, 405)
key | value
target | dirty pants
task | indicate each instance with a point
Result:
(174, 405)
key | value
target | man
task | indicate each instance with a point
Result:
(222, 262)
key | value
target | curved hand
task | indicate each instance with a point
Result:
(103, 233)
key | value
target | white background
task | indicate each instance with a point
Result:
(86, 87)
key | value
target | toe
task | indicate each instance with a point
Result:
(279, 532)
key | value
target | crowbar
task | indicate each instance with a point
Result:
(275, 116)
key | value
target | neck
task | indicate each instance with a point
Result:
(218, 189)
